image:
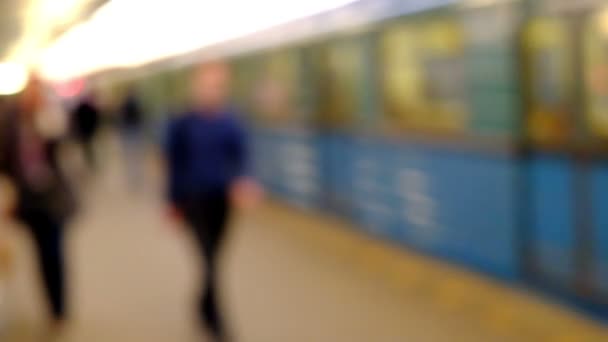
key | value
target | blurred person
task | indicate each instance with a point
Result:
(43, 199)
(6, 201)
(207, 167)
(131, 125)
(85, 124)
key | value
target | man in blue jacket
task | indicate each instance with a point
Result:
(207, 167)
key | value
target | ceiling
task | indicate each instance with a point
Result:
(27, 26)
(131, 33)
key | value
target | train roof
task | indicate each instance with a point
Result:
(352, 17)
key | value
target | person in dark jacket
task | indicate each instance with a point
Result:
(85, 123)
(132, 116)
(132, 126)
(207, 170)
(29, 159)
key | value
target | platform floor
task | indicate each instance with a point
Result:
(289, 276)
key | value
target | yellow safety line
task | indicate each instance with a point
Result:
(503, 310)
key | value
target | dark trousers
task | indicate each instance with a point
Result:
(208, 218)
(88, 151)
(87, 147)
(47, 234)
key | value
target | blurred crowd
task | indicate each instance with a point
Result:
(39, 194)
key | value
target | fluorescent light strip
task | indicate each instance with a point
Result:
(125, 33)
(13, 78)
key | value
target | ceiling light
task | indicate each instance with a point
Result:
(13, 78)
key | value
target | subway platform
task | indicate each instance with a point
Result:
(288, 276)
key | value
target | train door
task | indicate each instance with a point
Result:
(565, 56)
(341, 90)
(595, 92)
(286, 125)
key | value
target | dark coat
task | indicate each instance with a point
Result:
(58, 201)
(85, 120)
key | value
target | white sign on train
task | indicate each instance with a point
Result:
(420, 209)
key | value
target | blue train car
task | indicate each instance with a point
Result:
(564, 56)
(401, 156)
(471, 131)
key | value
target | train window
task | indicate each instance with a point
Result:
(243, 81)
(150, 90)
(342, 67)
(177, 87)
(275, 90)
(423, 75)
(549, 66)
(596, 74)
